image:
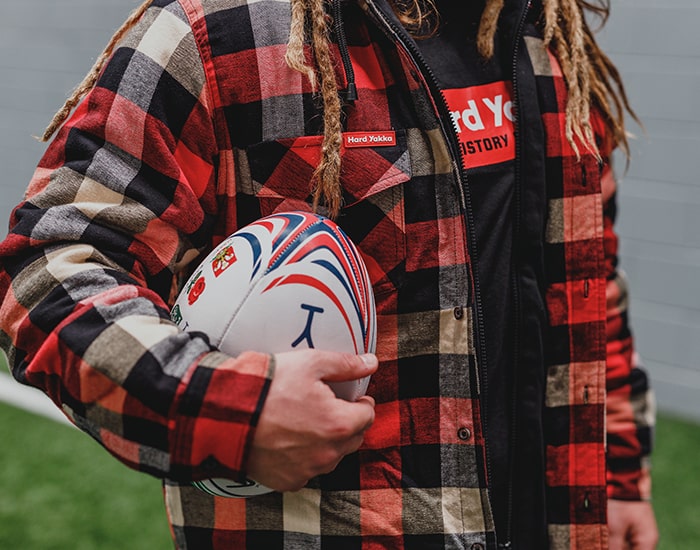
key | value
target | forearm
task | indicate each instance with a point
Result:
(123, 200)
(629, 403)
(103, 348)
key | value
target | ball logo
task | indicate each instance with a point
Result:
(306, 334)
(196, 290)
(223, 260)
(176, 315)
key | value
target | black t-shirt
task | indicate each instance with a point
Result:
(478, 93)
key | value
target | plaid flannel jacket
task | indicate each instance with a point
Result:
(196, 127)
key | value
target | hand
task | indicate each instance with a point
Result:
(304, 430)
(632, 525)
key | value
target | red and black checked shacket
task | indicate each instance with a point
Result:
(197, 126)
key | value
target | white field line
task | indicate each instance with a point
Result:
(29, 399)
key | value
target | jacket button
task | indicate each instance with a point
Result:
(477, 546)
(464, 434)
(459, 313)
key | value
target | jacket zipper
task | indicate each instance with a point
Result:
(450, 135)
(339, 29)
(451, 138)
(515, 284)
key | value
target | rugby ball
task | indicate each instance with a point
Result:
(288, 281)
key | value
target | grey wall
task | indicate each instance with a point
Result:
(656, 46)
(46, 46)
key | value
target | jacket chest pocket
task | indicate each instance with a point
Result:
(275, 176)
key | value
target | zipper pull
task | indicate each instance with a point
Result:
(351, 92)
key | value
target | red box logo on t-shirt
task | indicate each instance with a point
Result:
(483, 118)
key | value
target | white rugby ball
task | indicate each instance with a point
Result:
(288, 281)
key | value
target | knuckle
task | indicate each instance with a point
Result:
(298, 486)
(330, 466)
(330, 457)
(326, 461)
(342, 429)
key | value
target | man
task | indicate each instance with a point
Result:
(485, 217)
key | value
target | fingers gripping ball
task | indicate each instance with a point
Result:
(288, 281)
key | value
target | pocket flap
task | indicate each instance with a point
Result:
(284, 168)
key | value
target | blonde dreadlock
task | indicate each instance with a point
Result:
(326, 178)
(591, 77)
(419, 17)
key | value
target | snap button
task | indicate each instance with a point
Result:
(459, 313)
(464, 434)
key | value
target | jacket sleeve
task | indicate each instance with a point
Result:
(630, 406)
(122, 201)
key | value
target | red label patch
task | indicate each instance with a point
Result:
(369, 139)
(483, 117)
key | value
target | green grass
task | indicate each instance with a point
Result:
(676, 483)
(60, 491)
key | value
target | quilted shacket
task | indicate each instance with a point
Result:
(196, 127)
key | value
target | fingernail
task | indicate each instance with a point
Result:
(369, 359)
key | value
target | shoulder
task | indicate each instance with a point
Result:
(230, 25)
(227, 10)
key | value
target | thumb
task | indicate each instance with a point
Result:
(616, 541)
(344, 367)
